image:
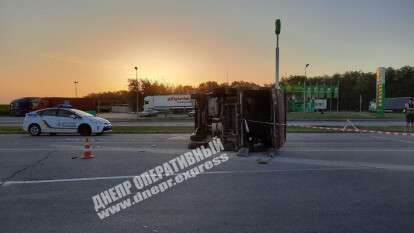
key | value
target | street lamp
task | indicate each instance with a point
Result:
(136, 79)
(306, 66)
(76, 88)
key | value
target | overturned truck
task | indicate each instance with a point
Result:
(243, 118)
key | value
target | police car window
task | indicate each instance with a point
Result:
(48, 112)
(64, 113)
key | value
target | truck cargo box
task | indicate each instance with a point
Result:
(169, 103)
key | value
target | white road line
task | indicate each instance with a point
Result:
(65, 180)
(172, 151)
(27, 149)
(169, 151)
(64, 148)
(178, 138)
(346, 150)
(15, 182)
(353, 164)
(394, 139)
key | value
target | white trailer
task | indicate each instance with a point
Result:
(169, 103)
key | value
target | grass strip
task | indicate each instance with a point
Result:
(344, 116)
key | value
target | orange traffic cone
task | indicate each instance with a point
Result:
(87, 152)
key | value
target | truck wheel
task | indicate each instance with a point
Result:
(85, 130)
(34, 130)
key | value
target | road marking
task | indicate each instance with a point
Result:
(6, 183)
(178, 138)
(346, 150)
(353, 164)
(64, 148)
(16, 182)
(27, 149)
(394, 139)
(172, 151)
(169, 151)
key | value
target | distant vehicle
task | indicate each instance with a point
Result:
(191, 113)
(149, 113)
(20, 107)
(390, 104)
(169, 103)
(84, 104)
(64, 120)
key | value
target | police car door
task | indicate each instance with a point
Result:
(48, 117)
(66, 120)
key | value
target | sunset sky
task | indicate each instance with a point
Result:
(46, 45)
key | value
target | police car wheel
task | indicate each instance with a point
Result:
(34, 130)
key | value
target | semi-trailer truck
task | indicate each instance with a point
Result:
(21, 106)
(169, 103)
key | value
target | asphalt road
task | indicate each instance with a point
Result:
(316, 183)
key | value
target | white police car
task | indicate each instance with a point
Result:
(64, 120)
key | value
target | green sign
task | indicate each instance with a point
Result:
(314, 91)
(277, 26)
(329, 93)
(309, 92)
(380, 97)
(321, 93)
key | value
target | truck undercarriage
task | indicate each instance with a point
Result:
(242, 118)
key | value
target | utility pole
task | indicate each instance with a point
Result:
(277, 86)
(330, 95)
(360, 102)
(337, 104)
(304, 96)
(76, 88)
(330, 102)
(306, 66)
(136, 79)
(337, 99)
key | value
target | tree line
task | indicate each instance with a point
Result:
(148, 88)
(352, 85)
